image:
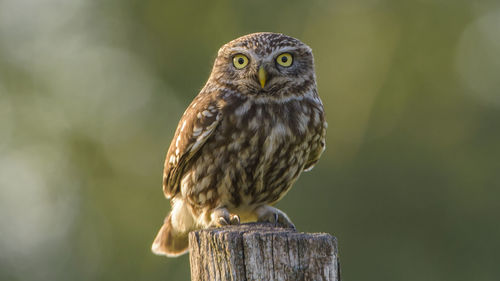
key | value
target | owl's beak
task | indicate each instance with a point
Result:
(262, 76)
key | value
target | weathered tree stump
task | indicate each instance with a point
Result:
(262, 252)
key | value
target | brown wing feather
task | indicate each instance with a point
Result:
(195, 127)
(316, 153)
(320, 144)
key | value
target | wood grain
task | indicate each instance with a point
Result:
(262, 252)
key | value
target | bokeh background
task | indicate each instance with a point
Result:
(91, 93)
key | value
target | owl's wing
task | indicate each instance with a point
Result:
(317, 150)
(314, 156)
(196, 126)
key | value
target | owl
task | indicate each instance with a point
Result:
(244, 140)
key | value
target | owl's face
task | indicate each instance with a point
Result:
(264, 64)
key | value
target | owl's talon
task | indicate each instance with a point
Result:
(285, 222)
(234, 219)
(270, 218)
(274, 216)
(222, 221)
(221, 217)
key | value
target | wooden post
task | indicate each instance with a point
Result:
(262, 252)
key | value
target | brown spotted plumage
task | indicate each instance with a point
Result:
(244, 140)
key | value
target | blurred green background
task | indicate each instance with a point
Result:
(91, 93)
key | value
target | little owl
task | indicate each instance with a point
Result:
(244, 140)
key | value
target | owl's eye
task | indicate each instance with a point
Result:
(240, 61)
(285, 59)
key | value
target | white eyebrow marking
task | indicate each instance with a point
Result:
(238, 50)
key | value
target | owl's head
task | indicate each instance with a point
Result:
(265, 64)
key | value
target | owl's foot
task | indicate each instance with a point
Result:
(221, 217)
(275, 216)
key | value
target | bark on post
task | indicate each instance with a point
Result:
(254, 251)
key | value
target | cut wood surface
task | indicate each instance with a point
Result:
(257, 251)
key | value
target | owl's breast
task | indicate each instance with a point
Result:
(254, 156)
(273, 142)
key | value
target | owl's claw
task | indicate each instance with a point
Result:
(234, 219)
(274, 216)
(222, 217)
(222, 221)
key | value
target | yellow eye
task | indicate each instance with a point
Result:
(285, 59)
(240, 61)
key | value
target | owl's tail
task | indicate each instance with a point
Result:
(170, 242)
